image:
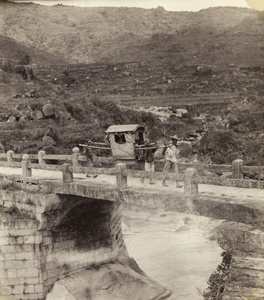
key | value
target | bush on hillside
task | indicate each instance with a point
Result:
(8, 65)
(110, 108)
(24, 59)
(104, 113)
(221, 146)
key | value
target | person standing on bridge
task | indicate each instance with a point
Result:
(87, 151)
(149, 161)
(171, 157)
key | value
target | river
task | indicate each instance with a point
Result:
(175, 249)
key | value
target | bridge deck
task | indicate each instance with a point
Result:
(230, 203)
(238, 194)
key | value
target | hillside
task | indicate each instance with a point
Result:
(216, 36)
(86, 62)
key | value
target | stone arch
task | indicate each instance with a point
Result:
(87, 221)
(80, 232)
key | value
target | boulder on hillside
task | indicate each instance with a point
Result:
(48, 141)
(27, 94)
(39, 115)
(11, 119)
(181, 112)
(23, 118)
(48, 110)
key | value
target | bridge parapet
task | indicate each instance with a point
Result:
(77, 161)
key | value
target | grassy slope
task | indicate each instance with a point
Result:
(214, 36)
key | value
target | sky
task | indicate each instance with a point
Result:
(170, 5)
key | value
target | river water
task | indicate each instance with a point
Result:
(175, 249)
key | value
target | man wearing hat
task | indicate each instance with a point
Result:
(171, 155)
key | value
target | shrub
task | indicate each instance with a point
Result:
(8, 66)
(24, 59)
(216, 282)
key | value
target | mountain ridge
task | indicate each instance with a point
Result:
(213, 36)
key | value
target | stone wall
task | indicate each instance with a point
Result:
(45, 237)
(20, 264)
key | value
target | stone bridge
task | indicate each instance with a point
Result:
(55, 221)
(54, 224)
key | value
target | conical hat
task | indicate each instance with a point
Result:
(174, 137)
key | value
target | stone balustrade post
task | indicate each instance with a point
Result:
(195, 162)
(236, 169)
(26, 170)
(121, 179)
(67, 174)
(10, 156)
(75, 156)
(41, 161)
(190, 186)
(197, 166)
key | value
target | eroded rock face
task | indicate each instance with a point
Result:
(111, 281)
(59, 292)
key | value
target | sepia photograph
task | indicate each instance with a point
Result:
(132, 150)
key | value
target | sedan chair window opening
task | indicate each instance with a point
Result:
(120, 138)
(139, 137)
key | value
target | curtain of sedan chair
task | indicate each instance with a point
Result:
(125, 150)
